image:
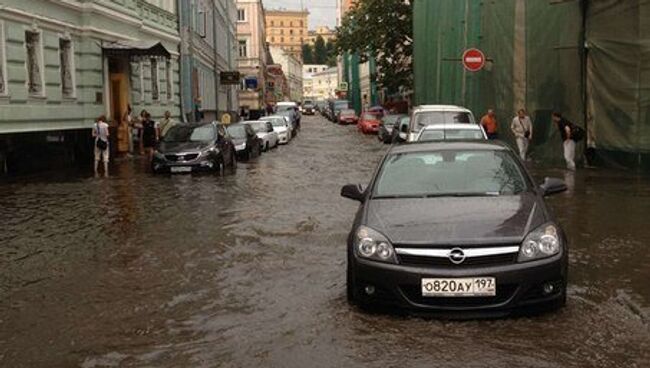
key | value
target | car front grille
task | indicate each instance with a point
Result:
(492, 260)
(185, 157)
(414, 294)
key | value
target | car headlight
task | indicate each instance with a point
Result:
(541, 243)
(240, 147)
(371, 244)
(209, 151)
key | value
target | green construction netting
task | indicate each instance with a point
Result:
(538, 62)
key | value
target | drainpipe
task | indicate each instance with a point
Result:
(181, 63)
(217, 79)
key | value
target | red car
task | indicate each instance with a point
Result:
(348, 116)
(369, 123)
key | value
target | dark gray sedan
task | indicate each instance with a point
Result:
(456, 228)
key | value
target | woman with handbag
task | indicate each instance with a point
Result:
(522, 128)
(100, 134)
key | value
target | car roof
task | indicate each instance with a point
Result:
(445, 108)
(453, 126)
(464, 145)
(286, 103)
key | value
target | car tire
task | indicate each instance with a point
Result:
(266, 147)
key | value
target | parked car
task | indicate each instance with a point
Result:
(456, 228)
(290, 106)
(386, 127)
(308, 108)
(247, 143)
(281, 126)
(438, 114)
(450, 132)
(399, 134)
(377, 110)
(348, 116)
(336, 106)
(264, 130)
(369, 123)
(194, 147)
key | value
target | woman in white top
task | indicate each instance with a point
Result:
(522, 128)
(100, 135)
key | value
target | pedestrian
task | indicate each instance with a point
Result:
(198, 112)
(489, 124)
(149, 136)
(522, 128)
(137, 130)
(166, 124)
(570, 134)
(128, 120)
(100, 134)
(269, 109)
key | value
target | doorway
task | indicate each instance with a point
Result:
(118, 70)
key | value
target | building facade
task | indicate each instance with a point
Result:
(287, 29)
(327, 33)
(308, 71)
(208, 47)
(64, 63)
(253, 55)
(324, 84)
(292, 68)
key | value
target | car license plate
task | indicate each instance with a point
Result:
(475, 286)
(181, 169)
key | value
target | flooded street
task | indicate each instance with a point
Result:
(248, 270)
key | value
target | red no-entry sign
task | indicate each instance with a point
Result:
(473, 60)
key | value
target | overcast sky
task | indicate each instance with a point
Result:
(321, 12)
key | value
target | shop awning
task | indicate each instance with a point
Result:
(136, 49)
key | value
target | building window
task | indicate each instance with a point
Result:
(302, 24)
(169, 80)
(272, 39)
(3, 61)
(291, 31)
(241, 15)
(34, 63)
(272, 23)
(282, 31)
(243, 49)
(281, 24)
(66, 57)
(282, 39)
(155, 95)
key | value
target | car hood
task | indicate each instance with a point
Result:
(178, 147)
(458, 220)
(280, 130)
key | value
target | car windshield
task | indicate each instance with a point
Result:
(369, 116)
(282, 108)
(450, 134)
(280, 122)
(391, 119)
(450, 173)
(340, 105)
(180, 133)
(237, 131)
(423, 119)
(258, 127)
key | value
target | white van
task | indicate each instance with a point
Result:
(425, 115)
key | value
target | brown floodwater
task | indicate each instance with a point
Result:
(248, 270)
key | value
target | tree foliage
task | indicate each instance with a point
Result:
(382, 29)
(307, 54)
(320, 51)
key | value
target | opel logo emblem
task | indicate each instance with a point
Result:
(456, 256)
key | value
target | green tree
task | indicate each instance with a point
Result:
(382, 29)
(320, 51)
(331, 53)
(307, 54)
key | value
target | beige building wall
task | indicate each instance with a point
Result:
(251, 51)
(292, 68)
(323, 31)
(287, 29)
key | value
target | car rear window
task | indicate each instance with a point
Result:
(450, 134)
(369, 116)
(448, 173)
(423, 119)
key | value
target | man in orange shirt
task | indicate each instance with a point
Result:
(489, 123)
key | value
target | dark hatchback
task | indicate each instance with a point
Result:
(247, 143)
(457, 229)
(194, 147)
(388, 123)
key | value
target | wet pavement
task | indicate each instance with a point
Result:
(248, 270)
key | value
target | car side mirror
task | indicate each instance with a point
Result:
(353, 191)
(553, 186)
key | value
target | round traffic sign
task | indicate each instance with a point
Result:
(473, 60)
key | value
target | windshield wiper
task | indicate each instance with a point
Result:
(476, 194)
